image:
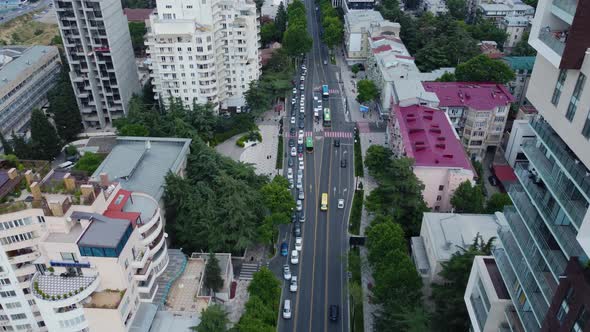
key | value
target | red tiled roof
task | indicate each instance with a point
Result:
(504, 173)
(429, 137)
(137, 14)
(476, 95)
(395, 39)
(382, 48)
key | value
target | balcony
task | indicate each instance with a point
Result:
(22, 258)
(513, 319)
(481, 314)
(561, 188)
(536, 230)
(565, 9)
(527, 317)
(535, 289)
(554, 39)
(62, 291)
(577, 172)
(565, 235)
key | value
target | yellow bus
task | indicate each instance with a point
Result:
(324, 205)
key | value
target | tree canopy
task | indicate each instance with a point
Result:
(63, 106)
(451, 313)
(333, 26)
(296, 39)
(45, 141)
(468, 198)
(399, 192)
(137, 30)
(522, 48)
(484, 69)
(367, 91)
(213, 319)
(213, 279)
(270, 33)
(281, 18)
(262, 308)
(89, 162)
(497, 202)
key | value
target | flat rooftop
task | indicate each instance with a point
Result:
(429, 138)
(358, 19)
(140, 164)
(70, 237)
(21, 62)
(103, 232)
(475, 95)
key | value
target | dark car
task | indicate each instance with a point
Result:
(336, 143)
(300, 148)
(493, 181)
(291, 142)
(292, 131)
(301, 125)
(301, 116)
(297, 229)
(290, 162)
(343, 163)
(284, 249)
(294, 218)
(333, 312)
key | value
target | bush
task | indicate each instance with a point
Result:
(280, 153)
(356, 212)
(358, 157)
(251, 136)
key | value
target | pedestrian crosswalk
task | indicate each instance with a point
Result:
(248, 270)
(329, 134)
(332, 90)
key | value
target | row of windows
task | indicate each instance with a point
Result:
(12, 305)
(7, 294)
(16, 238)
(574, 99)
(71, 322)
(18, 316)
(16, 223)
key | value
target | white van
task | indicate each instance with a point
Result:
(287, 309)
(67, 164)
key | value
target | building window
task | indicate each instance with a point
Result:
(573, 106)
(580, 323)
(558, 87)
(18, 316)
(68, 256)
(586, 129)
(564, 307)
(441, 188)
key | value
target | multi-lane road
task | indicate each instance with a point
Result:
(321, 271)
(7, 15)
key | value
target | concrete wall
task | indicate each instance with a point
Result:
(521, 132)
(435, 177)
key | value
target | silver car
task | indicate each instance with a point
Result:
(301, 194)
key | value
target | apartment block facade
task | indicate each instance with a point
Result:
(204, 52)
(478, 112)
(102, 65)
(548, 228)
(26, 75)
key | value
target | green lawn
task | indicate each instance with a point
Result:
(356, 212)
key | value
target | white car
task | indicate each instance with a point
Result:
(290, 173)
(301, 195)
(302, 103)
(301, 87)
(299, 205)
(302, 78)
(286, 272)
(300, 157)
(294, 91)
(294, 257)
(299, 173)
(293, 285)
(287, 309)
(298, 243)
(301, 165)
(291, 184)
(293, 120)
(302, 109)
(341, 203)
(299, 184)
(293, 151)
(315, 98)
(300, 137)
(293, 101)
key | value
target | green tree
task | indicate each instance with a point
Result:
(522, 48)
(22, 149)
(266, 286)
(262, 307)
(484, 69)
(63, 106)
(6, 146)
(281, 19)
(89, 162)
(277, 196)
(367, 91)
(71, 150)
(134, 129)
(333, 31)
(486, 30)
(447, 77)
(213, 319)
(416, 319)
(468, 199)
(355, 69)
(56, 40)
(137, 30)
(213, 279)
(451, 313)
(269, 33)
(477, 166)
(457, 9)
(497, 202)
(296, 40)
(46, 143)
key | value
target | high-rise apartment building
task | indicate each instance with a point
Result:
(102, 66)
(204, 51)
(542, 251)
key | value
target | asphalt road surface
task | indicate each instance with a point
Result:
(321, 272)
(26, 8)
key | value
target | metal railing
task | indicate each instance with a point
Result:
(568, 6)
(548, 37)
(572, 166)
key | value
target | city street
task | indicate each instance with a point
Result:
(321, 270)
(27, 8)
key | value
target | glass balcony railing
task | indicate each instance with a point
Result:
(513, 319)
(554, 42)
(530, 281)
(565, 235)
(557, 182)
(527, 318)
(480, 311)
(535, 229)
(572, 166)
(568, 6)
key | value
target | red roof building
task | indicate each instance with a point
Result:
(137, 14)
(427, 136)
(477, 110)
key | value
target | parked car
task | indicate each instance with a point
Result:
(293, 152)
(287, 309)
(293, 285)
(301, 125)
(284, 249)
(302, 217)
(301, 194)
(293, 120)
(336, 143)
(297, 229)
(493, 181)
(286, 272)
(299, 205)
(301, 165)
(294, 257)
(341, 203)
(298, 243)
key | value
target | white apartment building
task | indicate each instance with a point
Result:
(26, 75)
(204, 51)
(496, 10)
(102, 65)
(436, 7)
(515, 27)
(359, 26)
